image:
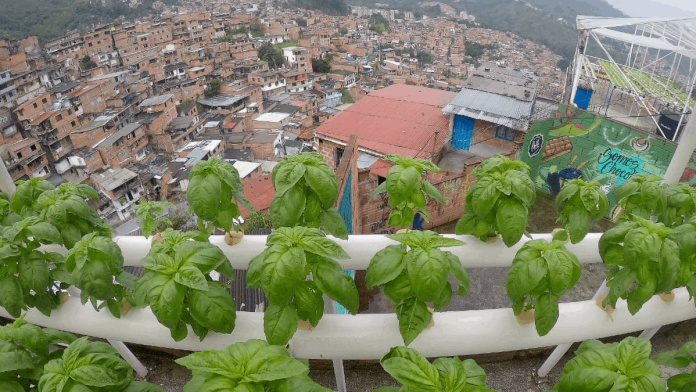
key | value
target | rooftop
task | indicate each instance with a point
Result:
(399, 119)
(221, 100)
(111, 139)
(112, 178)
(272, 117)
(157, 100)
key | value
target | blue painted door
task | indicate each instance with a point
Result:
(462, 132)
(582, 98)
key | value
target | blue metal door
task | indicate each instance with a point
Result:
(462, 132)
(582, 98)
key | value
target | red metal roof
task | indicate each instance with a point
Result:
(399, 119)
(381, 167)
(38, 120)
(260, 192)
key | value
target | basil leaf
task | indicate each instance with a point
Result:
(632, 353)
(527, 270)
(202, 255)
(511, 220)
(33, 272)
(331, 280)
(167, 302)
(474, 373)
(545, 313)
(452, 374)
(323, 182)
(428, 272)
(299, 383)
(203, 195)
(309, 302)
(11, 297)
(458, 272)
(641, 295)
(287, 176)
(386, 265)
(285, 268)
(401, 182)
(287, 208)
(413, 316)
(323, 246)
(560, 270)
(399, 288)
(213, 309)
(192, 277)
(431, 191)
(444, 298)
(276, 367)
(211, 362)
(279, 323)
(410, 368)
(140, 386)
(332, 221)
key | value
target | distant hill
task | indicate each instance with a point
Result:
(52, 18)
(642, 8)
(329, 7)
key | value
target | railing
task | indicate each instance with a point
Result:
(369, 336)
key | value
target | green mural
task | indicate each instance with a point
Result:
(578, 144)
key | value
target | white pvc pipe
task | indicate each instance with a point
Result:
(361, 249)
(129, 357)
(369, 336)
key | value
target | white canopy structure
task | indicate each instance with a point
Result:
(658, 48)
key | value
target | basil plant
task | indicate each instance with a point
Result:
(283, 272)
(540, 274)
(641, 195)
(643, 261)
(582, 203)
(499, 200)
(411, 369)
(407, 190)
(599, 367)
(306, 191)
(415, 273)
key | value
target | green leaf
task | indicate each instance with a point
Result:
(411, 369)
(45, 233)
(214, 309)
(386, 265)
(401, 183)
(279, 323)
(650, 383)
(560, 269)
(332, 221)
(641, 295)
(428, 272)
(15, 360)
(322, 246)
(33, 272)
(466, 224)
(458, 272)
(545, 313)
(10, 386)
(192, 277)
(527, 270)
(212, 362)
(330, 279)
(287, 208)
(474, 373)
(578, 224)
(444, 298)
(413, 317)
(202, 255)
(452, 374)
(323, 182)
(511, 220)
(11, 297)
(275, 367)
(431, 191)
(309, 302)
(285, 268)
(167, 303)
(399, 288)
(287, 177)
(204, 195)
(632, 353)
(299, 383)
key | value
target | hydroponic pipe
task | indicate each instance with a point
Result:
(361, 249)
(369, 336)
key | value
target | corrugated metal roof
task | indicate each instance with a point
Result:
(494, 108)
(399, 119)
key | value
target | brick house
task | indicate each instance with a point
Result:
(118, 190)
(25, 160)
(124, 146)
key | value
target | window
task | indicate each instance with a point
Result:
(338, 154)
(35, 105)
(42, 101)
(19, 155)
(72, 124)
(505, 133)
(59, 117)
(33, 147)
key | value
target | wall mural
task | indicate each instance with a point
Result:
(578, 144)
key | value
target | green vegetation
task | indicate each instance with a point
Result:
(432, 11)
(657, 86)
(322, 65)
(229, 34)
(475, 49)
(52, 18)
(272, 55)
(346, 97)
(615, 75)
(329, 7)
(287, 44)
(213, 88)
(257, 220)
(378, 23)
(255, 28)
(86, 63)
(301, 22)
(424, 57)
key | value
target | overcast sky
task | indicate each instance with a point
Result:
(689, 5)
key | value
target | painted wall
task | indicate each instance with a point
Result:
(578, 144)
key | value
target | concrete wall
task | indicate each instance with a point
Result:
(579, 144)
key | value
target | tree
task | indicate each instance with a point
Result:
(86, 63)
(213, 88)
(563, 63)
(321, 65)
(301, 22)
(424, 57)
(343, 31)
(271, 55)
(378, 23)
(255, 28)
